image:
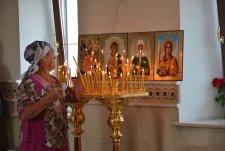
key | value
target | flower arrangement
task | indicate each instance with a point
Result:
(219, 83)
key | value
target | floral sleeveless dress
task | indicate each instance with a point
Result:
(48, 130)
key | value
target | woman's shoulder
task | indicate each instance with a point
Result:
(31, 82)
(25, 87)
(26, 81)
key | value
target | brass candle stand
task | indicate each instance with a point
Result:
(113, 92)
(114, 98)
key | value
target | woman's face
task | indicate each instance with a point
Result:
(50, 60)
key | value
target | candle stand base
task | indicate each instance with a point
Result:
(115, 104)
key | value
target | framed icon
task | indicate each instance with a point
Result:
(168, 53)
(90, 45)
(141, 52)
(115, 52)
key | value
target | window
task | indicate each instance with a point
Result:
(72, 33)
(68, 30)
(221, 11)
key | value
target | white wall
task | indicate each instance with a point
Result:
(36, 22)
(100, 16)
(9, 40)
(202, 60)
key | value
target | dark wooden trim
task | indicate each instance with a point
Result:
(58, 31)
(221, 16)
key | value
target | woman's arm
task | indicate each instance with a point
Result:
(79, 87)
(32, 109)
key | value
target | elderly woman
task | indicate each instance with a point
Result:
(40, 102)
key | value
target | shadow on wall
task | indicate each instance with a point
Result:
(3, 116)
(3, 129)
(3, 68)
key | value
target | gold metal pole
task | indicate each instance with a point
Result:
(115, 119)
(77, 118)
(77, 143)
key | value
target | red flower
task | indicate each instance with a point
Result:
(216, 82)
(219, 83)
(223, 80)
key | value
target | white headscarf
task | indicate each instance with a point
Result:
(33, 53)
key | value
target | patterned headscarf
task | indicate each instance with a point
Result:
(34, 52)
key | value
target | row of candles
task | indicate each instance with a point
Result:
(99, 81)
(64, 74)
(103, 83)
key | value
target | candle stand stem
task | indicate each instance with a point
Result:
(77, 118)
(115, 119)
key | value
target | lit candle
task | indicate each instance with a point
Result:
(116, 64)
(58, 74)
(131, 82)
(95, 74)
(92, 56)
(103, 81)
(110, 78)
(140, 79)
(131, 63)
(128, 75)
(122, 81)
(86, 80)
(143, 79)
(139, 60)
(99, 71)
(123, 60)
(106, 82)
(79, 72)
(68, 77)
(63, 75)
(95, 63)
(135, 80)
